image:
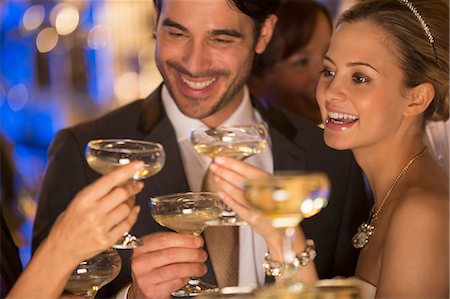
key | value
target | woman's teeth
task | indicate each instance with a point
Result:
(342, 117)
(198, 85)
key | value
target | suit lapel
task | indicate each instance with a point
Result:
(155, 125)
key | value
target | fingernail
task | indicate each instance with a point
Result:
(219, 160)
(138, 165)
(204, 255)
(140, 185)
(137, 209)
(213, 167)
(198, 241)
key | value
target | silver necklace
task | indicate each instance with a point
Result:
(366, 229)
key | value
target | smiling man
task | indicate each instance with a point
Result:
(205, 60)
(204, 51)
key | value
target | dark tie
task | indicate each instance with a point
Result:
(223, 247)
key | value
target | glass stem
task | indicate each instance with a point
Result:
(90, 294)
(288, 250)
(193, 280)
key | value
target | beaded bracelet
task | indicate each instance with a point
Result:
(276, 269)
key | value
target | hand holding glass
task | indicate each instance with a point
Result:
(188, 213)
(104, 155)
(239, 142)
(286, 199)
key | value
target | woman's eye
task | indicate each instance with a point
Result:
(359, 79)
(327, 73)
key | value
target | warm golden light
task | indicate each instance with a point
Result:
(127, 87)
(67, 20)
(46, 40)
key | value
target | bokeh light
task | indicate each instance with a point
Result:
(67, 20)
(47, 40)
(127, 87)
(17, 97)
(98, 37)
(33, 17)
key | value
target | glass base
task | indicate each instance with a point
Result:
(195, 287)
(128, 241)
(285, 291)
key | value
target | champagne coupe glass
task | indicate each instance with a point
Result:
(188, 213)
(286, 199)
(239, 142)
(104, 155)
(94, 273)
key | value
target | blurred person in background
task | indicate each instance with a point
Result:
(287, 73)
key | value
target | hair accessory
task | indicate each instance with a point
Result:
(424, 25)
(276, 269)
(366, 229)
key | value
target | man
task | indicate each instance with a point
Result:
(204, 50)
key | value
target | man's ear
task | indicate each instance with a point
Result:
(419, 98)
(266, 33)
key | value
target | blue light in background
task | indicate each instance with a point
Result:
(98, 61)
(32, 126)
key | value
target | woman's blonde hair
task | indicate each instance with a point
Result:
(422, 59)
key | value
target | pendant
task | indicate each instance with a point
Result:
(361, 238)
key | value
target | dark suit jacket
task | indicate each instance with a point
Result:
(296, 145)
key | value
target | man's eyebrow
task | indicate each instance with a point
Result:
(229, 32)
(171, 23)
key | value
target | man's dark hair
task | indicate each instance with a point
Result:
(258, 10)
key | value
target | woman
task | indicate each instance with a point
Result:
(286, 74)
(384, 75)
(97, 217)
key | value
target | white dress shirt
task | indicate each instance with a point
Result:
(252, 246)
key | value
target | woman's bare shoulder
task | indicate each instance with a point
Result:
(417, 241)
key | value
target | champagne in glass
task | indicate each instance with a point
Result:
(188, 213)
(286, 199)
(239, 142)
(104, 155)
(94, 273)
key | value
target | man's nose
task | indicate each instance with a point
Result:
(197, 57)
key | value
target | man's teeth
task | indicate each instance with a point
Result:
(342, 116)
(198, 85)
